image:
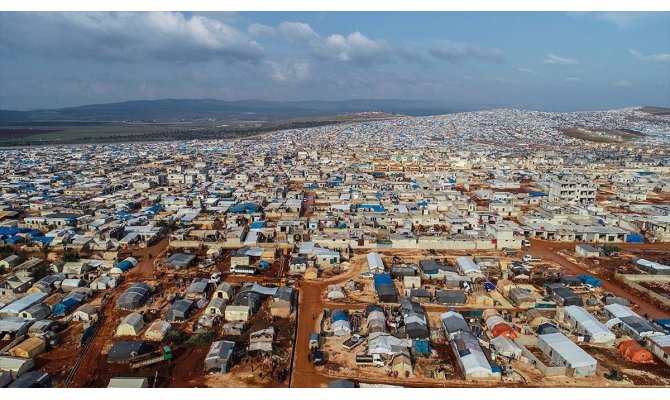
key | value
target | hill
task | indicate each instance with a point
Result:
(174, 110)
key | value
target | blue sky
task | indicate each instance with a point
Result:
(536, 60)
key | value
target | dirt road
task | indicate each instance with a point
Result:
(94, 361)
(548, 251)
(305, 374)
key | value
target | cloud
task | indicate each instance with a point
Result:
(527, 70)
(621, 19)
(622, 84)
(297, 31)
(261, 30)
(457, 52)
(556, 60)
(168, 36)
(500, 79)
(410, 54)
(355, 48)
(665, 57)
(572, 79)
(290, 71)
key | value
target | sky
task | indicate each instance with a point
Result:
(558, 61)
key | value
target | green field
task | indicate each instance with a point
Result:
(37, 134)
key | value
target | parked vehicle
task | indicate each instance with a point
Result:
(374, 359)
(215, 278)
(529, 258)
(164, 354)
(353, 341)
(319, 358)
(367, 275)
(314, 341)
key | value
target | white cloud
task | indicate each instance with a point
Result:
(355, 48)
(527, 70)
(622, 84)
(261, 30)
(130, 36)
(500, 79)
(291, 71)
(297, 31)
(456, 52)
(572, 79)
(622, 19)
(557, 60)
(665, 57)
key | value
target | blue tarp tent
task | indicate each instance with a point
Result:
(590, 280)
(421, 347)
(124, 265)
(663, 323)
(257, 225)
(383, 280)
(340, 315)
(64, 307)
(14, 239)
(634, 238)
(247, 208)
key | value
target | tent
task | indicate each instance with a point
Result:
(134, 297)
(29, 348)
(131, 325)
(157, 330)
(123, 350)
(220, 356)
(180, 310)
(506, 347)
(635, 352)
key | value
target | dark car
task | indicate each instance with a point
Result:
(319, 358)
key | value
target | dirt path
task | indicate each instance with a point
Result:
(548, 250)
(94, 360)
(311, 305)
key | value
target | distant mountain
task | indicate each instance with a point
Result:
(169, 110)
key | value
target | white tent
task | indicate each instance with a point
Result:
(506, 347)
(375, 263)
(157, 330)
(131, 325)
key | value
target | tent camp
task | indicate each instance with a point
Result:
(635, 352)
(135, 296)
(157, 330)
(131, 325)
(563, 352)
(220, 356)
(453, 323)
(471, 357)
(586, 324)
(217, 306)
(375, 263)
(506, 347)
(29, 348)
(179, 310)
(341, 325)
(130, 382)
(17, 366)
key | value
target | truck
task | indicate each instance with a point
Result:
(353, 341)
(373, 359)
(529, 258)
(164, 354)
